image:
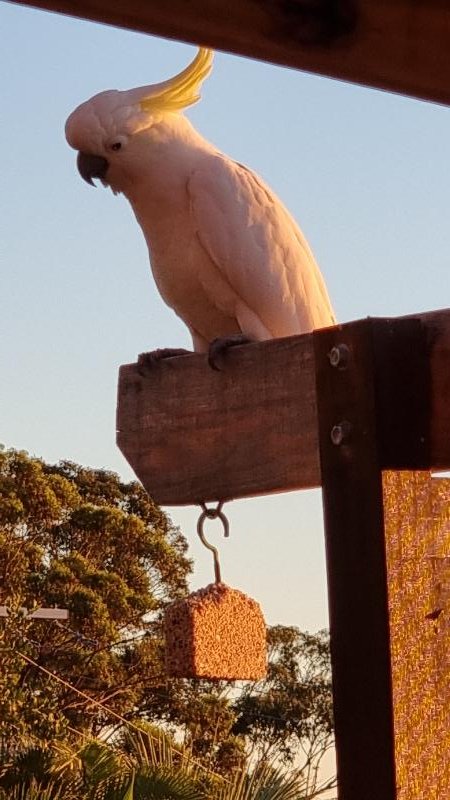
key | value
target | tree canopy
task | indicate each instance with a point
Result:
(83, 540)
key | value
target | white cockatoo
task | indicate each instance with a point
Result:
(225, 253)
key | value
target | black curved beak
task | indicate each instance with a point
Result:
(90, 166)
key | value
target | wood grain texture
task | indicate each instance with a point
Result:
(437, 326)
(412, 356)
(417, 531)
(399, 45)
(192, 434)
(356, 564)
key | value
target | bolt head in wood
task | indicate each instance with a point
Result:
(340, 433)
(339, 356)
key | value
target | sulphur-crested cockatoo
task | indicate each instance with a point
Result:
(226, 254)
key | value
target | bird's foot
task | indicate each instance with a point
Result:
(149, 360)
(219, 347)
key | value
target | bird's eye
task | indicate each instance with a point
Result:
(116, 146)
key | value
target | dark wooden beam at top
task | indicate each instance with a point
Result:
(399, 45)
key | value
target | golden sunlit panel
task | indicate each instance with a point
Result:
(417, 525)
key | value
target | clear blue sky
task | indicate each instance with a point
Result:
(365, 173)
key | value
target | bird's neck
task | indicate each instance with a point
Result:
(169, 151)
(168, 154)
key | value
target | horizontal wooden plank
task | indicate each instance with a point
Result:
(399, 45)
(192, 434)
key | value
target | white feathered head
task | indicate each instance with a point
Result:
(100, 127)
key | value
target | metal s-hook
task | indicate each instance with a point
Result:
(213, 513)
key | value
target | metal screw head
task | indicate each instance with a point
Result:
(340, 433)
(339, 356)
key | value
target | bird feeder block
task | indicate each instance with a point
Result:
(216, 633)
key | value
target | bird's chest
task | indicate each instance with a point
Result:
(177, 259)
(186, 276)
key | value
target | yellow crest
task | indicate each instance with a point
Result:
(183, 89)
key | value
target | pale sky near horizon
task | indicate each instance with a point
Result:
(365, 173)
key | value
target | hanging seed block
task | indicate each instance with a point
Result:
(217, 633)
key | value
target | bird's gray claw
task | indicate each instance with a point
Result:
(218, 349)
(149, 360)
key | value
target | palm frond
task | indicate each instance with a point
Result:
(33, 790)
(264, 783)
(149, 784)
(129, 794)
(101, 762)
(151, 748)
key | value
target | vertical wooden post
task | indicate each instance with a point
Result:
(356, 561)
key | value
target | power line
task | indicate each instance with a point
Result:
(161, 695)
(252, 714)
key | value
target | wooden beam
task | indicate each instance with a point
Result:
(412, 362)
(399, 45)
(192, 434)
(382, 400)
(437, 332)
(356, 562)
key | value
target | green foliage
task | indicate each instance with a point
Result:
(140, 766)
(288, 717)
(83, 540)
(263, 782)
(35, 791)
(293, 705)
(285, 718)
(28, 712)
(204, 712)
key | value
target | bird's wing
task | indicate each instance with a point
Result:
(259, 250)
